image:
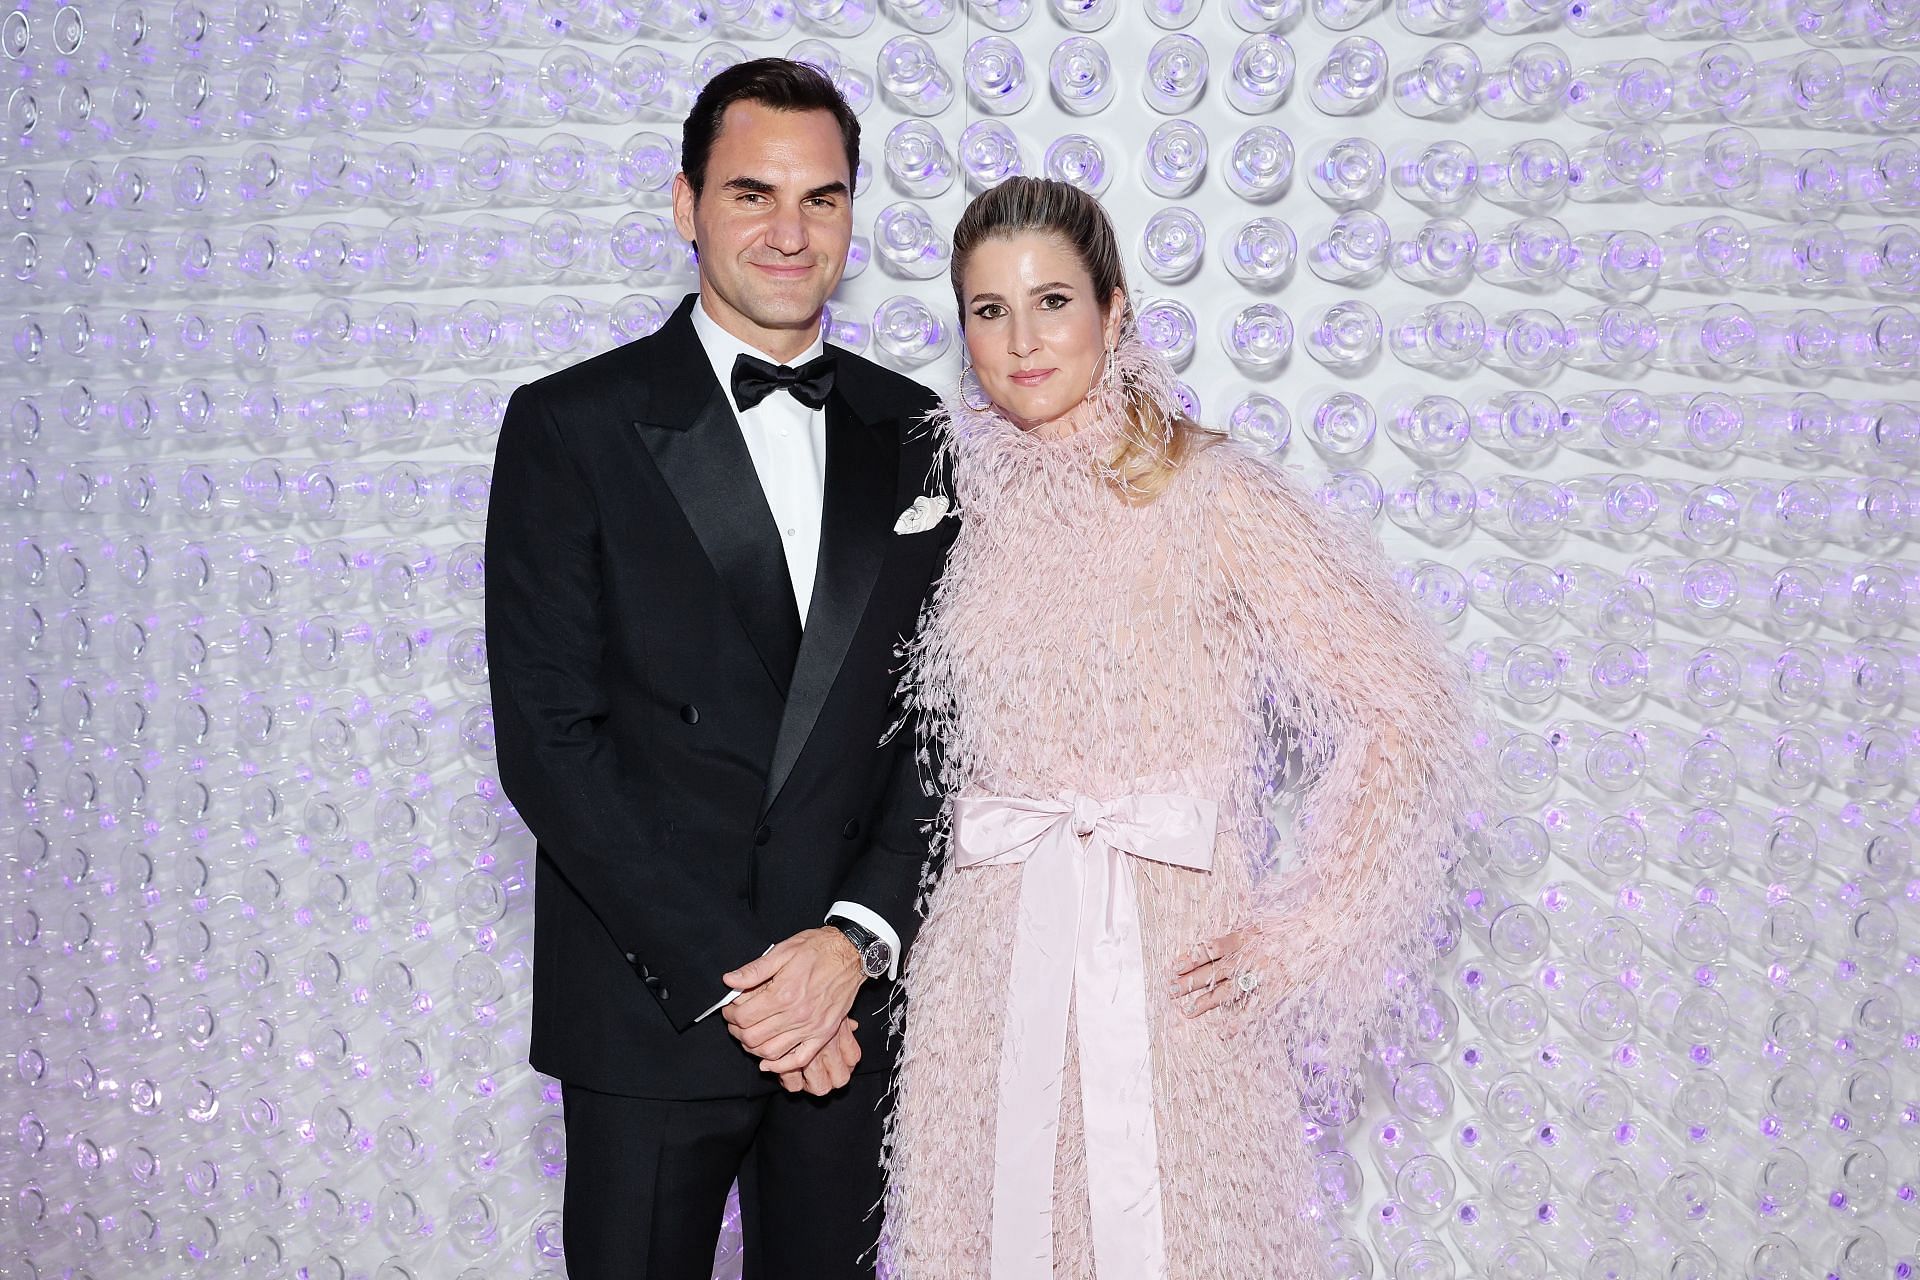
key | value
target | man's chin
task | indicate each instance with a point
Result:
(794, 315)
(771, 307)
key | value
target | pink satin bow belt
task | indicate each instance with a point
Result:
(1077, 944)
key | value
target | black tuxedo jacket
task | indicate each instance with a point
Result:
(702, 779)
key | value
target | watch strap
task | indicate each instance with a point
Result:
(858, 934)
(870, 946)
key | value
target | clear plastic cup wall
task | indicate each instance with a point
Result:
(1601, 312)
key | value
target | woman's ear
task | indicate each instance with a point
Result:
(1116, 317)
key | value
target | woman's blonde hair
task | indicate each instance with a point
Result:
(1157, 441)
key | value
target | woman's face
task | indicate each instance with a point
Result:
(1034, 329)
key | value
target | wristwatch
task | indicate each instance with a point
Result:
(876, 957)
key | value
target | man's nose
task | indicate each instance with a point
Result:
(787, 231)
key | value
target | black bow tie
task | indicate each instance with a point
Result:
(754, 380)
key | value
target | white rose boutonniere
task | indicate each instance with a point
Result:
(927, 511)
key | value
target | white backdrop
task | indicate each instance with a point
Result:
(271, 271)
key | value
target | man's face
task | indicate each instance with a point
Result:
(773, 223)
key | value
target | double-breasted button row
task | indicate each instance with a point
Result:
(763, 834)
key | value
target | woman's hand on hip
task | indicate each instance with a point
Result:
(1218, 972)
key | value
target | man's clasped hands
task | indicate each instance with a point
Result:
(792, 1010)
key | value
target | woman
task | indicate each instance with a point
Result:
(1117, 998)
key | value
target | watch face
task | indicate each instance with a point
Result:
(874, 959)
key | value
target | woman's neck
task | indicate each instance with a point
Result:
(1070, 423)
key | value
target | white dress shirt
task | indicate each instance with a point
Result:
(788, 444)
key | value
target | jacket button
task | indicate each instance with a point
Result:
(763, 835)
(652, 982)
(631, 958)
(690, 713)
(852, 828)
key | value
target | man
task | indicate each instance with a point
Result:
(695, 594)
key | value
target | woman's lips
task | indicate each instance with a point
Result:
(1031, 377)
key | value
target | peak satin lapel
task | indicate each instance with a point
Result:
(856, 523)
(708, 468)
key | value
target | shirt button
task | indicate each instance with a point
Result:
(793, 533)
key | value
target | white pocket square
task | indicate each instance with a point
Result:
(926, 511)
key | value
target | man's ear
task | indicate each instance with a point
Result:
(683, 201)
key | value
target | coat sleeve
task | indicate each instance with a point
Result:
(890, 876)
(1382, 745)
(583, 803)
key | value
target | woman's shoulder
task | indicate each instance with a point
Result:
(1231, 475)
(1260, 508)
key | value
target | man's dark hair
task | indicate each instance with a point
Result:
(775, 83)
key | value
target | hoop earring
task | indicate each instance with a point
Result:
(1110, 371)
(967, 376)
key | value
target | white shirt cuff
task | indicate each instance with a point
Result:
(722, 1002)
(874, 921)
